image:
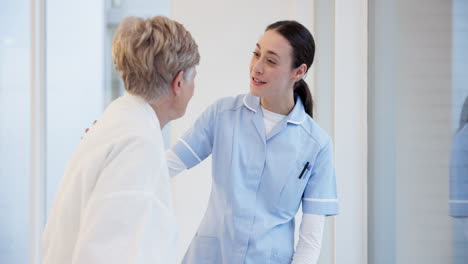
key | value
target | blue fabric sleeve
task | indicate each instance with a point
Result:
(459, 174)
(197, 142)
(320, 194)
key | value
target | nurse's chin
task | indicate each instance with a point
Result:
(255, 91)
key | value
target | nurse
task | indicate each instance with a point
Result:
(114, 201)
(268, 157)
(458, 203)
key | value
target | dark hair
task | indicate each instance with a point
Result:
(303, 46)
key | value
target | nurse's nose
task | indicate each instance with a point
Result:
(258, 67)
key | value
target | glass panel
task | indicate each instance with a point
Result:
(14, 130)
(417, 85)
(75, 79)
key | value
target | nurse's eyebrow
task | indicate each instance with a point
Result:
(268, 51)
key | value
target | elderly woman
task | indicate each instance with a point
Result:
(114, 201)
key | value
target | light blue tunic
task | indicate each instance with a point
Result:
(256, 189)
(459, 174)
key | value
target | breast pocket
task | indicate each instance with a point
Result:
(293, 189)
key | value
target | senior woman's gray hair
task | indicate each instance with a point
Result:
(149, 53)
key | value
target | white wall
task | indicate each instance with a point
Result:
(350, 127)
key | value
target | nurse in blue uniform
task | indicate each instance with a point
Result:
(459, 188)
(268, 157)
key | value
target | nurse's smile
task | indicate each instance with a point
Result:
(257, 82)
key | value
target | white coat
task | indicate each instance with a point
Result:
(114, 202)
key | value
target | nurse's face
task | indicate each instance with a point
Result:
(271, 71)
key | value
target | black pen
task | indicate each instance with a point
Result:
(303, 170)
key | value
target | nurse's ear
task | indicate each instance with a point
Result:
(299, 72)
(177, 83)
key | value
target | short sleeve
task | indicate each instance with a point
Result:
(320, 196)
(196, 144)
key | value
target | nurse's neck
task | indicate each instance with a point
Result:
(282, 105)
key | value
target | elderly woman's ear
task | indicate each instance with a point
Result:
(177, 83)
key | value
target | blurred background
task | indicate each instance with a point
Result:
(390, 82)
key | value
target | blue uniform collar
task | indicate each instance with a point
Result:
(252, 102)
(297, 115)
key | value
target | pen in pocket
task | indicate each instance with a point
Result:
(306, 167)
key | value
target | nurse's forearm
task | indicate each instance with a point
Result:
(310, 239)
(174, 164)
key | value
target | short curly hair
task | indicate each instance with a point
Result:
(149, 53)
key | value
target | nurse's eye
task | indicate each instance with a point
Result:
(271, 61)
(256, 54)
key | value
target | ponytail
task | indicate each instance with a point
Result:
(302, 90)
(303, 46)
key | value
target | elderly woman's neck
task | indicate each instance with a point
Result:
(163, 111)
